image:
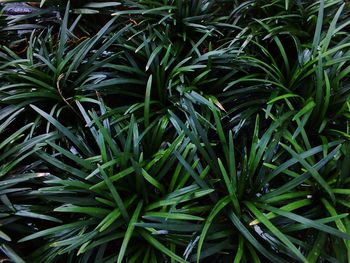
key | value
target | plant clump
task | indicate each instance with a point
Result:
(175, 131)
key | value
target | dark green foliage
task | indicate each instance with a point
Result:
(175, 131)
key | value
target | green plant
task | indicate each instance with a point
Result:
(183, 131)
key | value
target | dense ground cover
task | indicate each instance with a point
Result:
(175, 131)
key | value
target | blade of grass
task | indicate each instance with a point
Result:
(115, 194)
(129, 232)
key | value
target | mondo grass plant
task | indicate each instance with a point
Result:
(175, 131)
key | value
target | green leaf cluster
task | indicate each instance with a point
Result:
(175, 131)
